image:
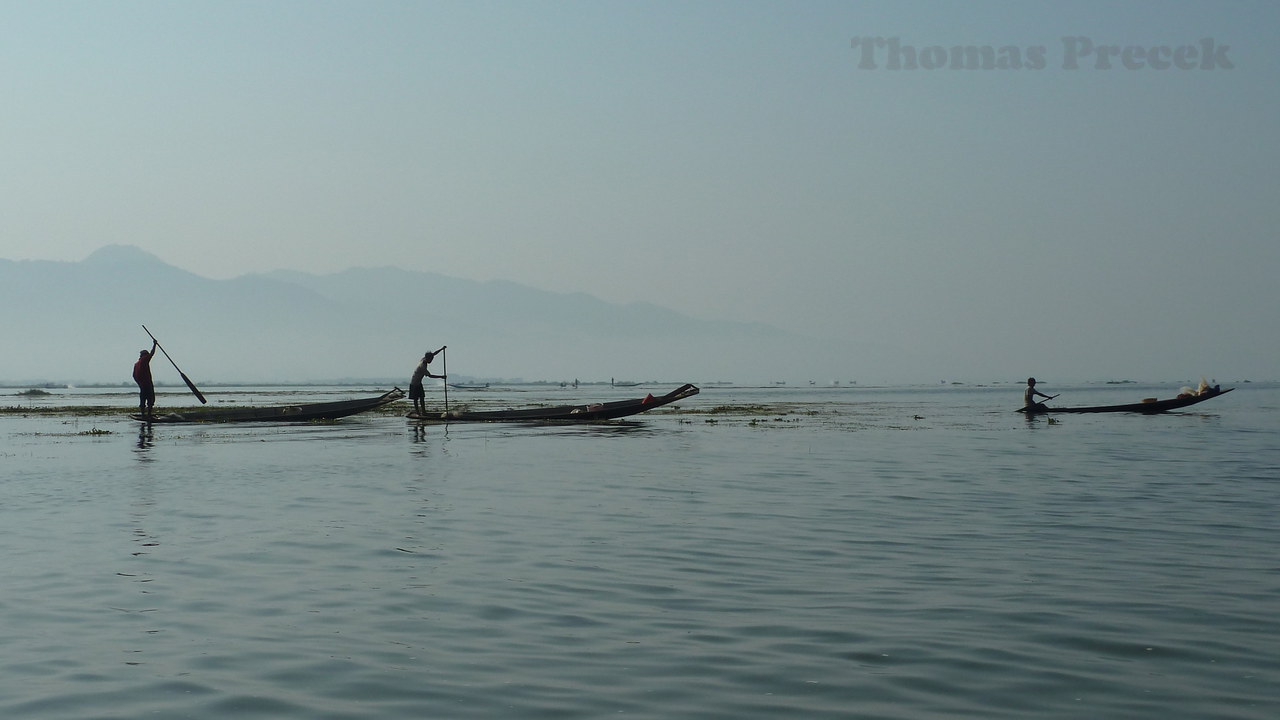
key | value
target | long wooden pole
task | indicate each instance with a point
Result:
(185, 379)
(444, 370)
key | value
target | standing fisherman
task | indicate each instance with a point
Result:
(416, 393)
(142, 376)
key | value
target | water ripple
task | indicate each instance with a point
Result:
(836, 567)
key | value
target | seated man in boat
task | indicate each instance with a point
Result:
(1029, 397)
(416, 393)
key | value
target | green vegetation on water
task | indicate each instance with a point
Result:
(77, 410)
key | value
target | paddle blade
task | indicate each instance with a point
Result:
(196, 391)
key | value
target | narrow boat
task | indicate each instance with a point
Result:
(591, 412)
(1148, 407)
(282, 413)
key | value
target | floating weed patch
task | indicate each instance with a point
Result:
(759, 415)
(79, 410)
(95, 432)
(738, 410)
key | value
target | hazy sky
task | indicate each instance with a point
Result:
(730, 160)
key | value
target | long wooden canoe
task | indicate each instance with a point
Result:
(282, 413)
(1147, 408)
(591, 412)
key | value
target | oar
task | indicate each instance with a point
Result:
(1046, 407)
(185, 379)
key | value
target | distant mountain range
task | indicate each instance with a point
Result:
(80, 322)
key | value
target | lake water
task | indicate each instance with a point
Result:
(895, 553)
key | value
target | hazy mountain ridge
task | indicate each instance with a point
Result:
(500, 301)
(81, 322)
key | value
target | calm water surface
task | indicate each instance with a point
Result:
(854, 553)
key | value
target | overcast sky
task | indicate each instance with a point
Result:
(1084, 215)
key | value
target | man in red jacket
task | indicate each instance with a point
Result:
(142, 376)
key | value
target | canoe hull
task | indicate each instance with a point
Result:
(592, 412)
(282, 413)
(1145, 408)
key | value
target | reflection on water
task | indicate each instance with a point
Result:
(146, 437)
(420, 431)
